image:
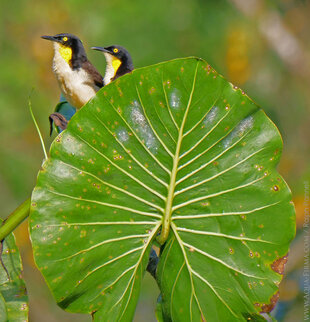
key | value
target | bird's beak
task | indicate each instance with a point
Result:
(52, 38)
(104, 50)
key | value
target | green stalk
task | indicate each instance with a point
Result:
(38, 129)
(15, 218)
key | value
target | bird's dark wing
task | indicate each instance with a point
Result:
(88, 67)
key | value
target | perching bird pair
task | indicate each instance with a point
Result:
(78, 79)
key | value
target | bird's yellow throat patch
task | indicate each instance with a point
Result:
(66, 53)
(115, 63)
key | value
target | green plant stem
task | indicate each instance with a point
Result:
(15, 218)
(38, 129)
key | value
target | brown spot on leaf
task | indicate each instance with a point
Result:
(276, 188)
(266, 308)
(279, 264)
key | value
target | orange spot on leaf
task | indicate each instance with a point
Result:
(279, 264)
(266, 308)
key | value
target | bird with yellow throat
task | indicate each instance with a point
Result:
(78, 79)
(118, 62)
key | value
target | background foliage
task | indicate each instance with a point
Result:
(262, 46)
(13, 298)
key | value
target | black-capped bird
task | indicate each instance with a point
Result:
(118, 62)
(78, 79)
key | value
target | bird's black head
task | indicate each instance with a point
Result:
(119, 61)
(117, 51)
(69, 46)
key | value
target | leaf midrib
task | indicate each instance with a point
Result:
(171, 188)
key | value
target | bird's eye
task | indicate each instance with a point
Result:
(115, 50)
(65, 38)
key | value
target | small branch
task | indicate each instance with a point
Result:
(15, 218)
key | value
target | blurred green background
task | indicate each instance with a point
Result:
(262, 46)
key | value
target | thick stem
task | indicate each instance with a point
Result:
(15, 218)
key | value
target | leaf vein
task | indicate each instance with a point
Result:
(204, 165)
(124, 171)
(139, 140)
(215, 194)
(204, 137)
(193, 128)
(209, 233)
(107, 241)
(132, 156)
(151, 235)
(191, 247)
(116, 187)
(224, 213)
(107, 204)
(168, 105)
(150, 124)
(219, 173)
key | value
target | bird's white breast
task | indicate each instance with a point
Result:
(76, 85)
(109, 71)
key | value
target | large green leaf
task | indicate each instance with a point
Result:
(171, 149)
(13, 297)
